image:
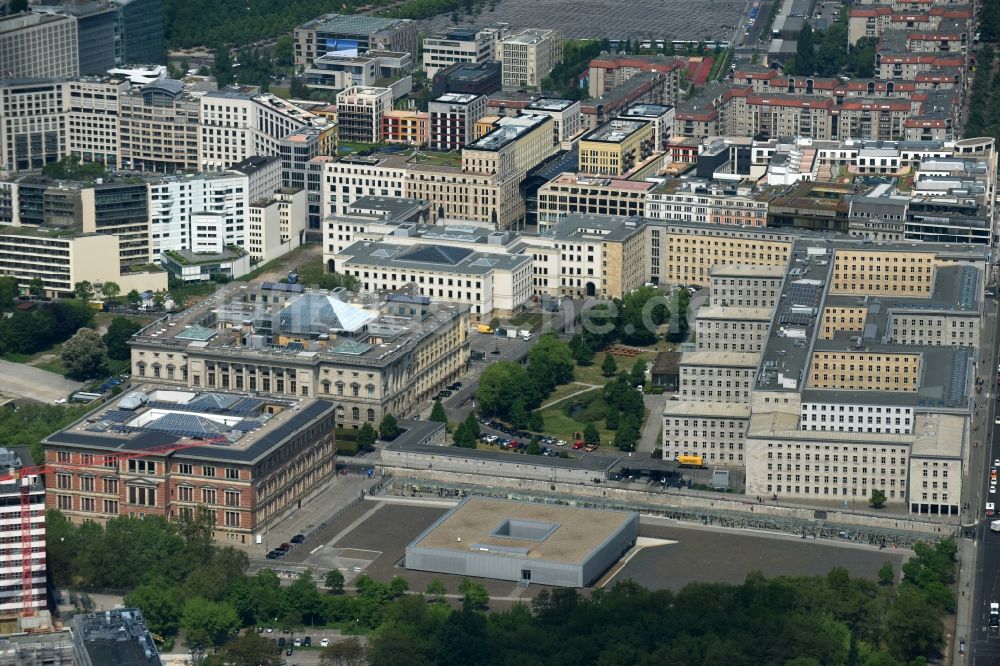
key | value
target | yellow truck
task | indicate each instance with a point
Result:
(690, 461)
(485, 328)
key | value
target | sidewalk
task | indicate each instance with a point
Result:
(965, 594)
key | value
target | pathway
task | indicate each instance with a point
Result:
(590, 387)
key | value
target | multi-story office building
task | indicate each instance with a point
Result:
(352, 35)
(92, 118)
(60, 258)
(488, 284)
(34, 46)
(715, 430)
(617, 148)
(383, 355)
(527, 56)
(263, 176)
(297, 149)
(335, 71)
(95, 32)
(565, 113)
(14, 599)
(732, 329)
(742, 286)
(581, 193)
(32, 123)
(140, 32)
(360, 112)
(709, 376)
(159, 128)
(483, 78)
(247, 460)
(215, 202)
(453, 117)
(696, 200)
(661, 116)
(115, 207)
(410, 127)
(461, 45)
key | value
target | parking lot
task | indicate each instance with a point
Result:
(25, 381)
(644, 19)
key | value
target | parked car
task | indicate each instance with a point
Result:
(325, 642)
(307, 641)
(298, 538)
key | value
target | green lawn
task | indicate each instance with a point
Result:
(591, 374)
(564, 390)
(557, 424)
(453, 158)
(285, 260)
(55, 365)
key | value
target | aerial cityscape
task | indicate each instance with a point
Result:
(499, 332)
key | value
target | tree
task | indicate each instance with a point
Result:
(334, 581)
(436, 590)
(388, 428)
(637, 374)
(110, 290)
(366, 437)
(120, 331)
(886, 575)
(208, 623)
(590, 434)
(501, 385)
(348, 652)
(583, 352)
(248, 649)
(533, 448)
(9, 291)
(805, 53)
(472, 425)
(36, 286)
(298, 90)
(474, 595)
(83, 290)
(536, 421)
(133, 297)
(464, 639)
(878, 498)
(84, 355)
(160, 605)
(284, 50)
(609, 367)
(222, 67)
(437, 413)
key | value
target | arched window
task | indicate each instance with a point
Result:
(141, 367)
(371, 415)
(355, 413)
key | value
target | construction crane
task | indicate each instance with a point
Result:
(28, 476)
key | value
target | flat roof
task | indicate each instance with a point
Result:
(427, 257)
(773, 271)
(456, 98)
(579, 226)
(647, 110)
(507, 130)
(721, 359)
(226, 427)
(353, 24)
(734, 313)
(615, 131)
(551, 104)
(556, 533)
(705, 408)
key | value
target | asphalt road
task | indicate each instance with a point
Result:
(984, 648)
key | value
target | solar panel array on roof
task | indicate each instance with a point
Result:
(118, 415)
(281, 286)
(798, 297)
(437, 254)
(967, 288)
(959, 375)
(240, 406)
(187, 425)
(212, 402)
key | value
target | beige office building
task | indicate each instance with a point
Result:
(38, 46)
(589, 195)
(528, 56)
(159, 128)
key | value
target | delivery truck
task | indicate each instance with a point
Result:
(512, 333)
(485, 328)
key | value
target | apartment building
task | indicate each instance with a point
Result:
(527, 56)
(382, 354)
(608, 72)
(35, 46)
(360, 112)
(589, 195)
(742, 286)
(276, 225)
(159, 128)
(412, 128)
(661, 116)
(203, 212)
(352, 35)
(461, 45)
(453, 117)
(14, 599)
(245, 459)
(711, 376)
(617, 148)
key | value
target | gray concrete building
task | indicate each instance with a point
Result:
(524, 542)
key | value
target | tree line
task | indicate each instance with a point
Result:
(822, 53)
(984, 99)
(42, 325)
